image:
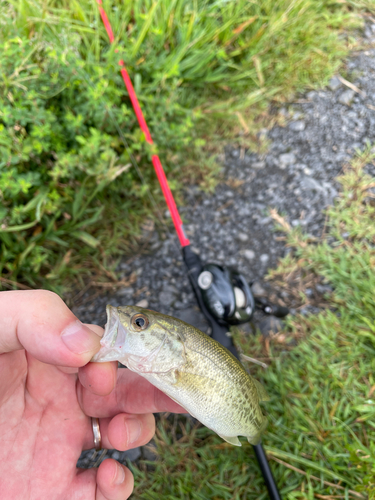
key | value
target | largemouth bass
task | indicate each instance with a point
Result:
(190, 367)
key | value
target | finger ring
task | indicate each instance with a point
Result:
(97, 435)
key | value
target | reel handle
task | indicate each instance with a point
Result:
(269, 308)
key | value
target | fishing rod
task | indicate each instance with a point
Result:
(223, 294)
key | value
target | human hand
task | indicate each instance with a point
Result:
(44, 351)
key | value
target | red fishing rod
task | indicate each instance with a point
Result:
(143, 125)
(223, 295)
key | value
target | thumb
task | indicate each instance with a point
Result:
(40, 322)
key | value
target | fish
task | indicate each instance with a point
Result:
(190, 367)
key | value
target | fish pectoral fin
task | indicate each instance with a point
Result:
(255, 439)
(231, 439)
(167, 357)
(170, 377)
(263, 396)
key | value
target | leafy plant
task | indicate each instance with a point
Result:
(67, 129)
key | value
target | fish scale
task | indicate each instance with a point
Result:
(190, 367)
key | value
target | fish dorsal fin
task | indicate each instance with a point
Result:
(166, 358)
(231, 439)
(263, 396)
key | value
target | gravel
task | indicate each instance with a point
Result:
(233, 226)
(347, 97)
(334, 83)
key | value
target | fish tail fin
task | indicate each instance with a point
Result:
(255, 439)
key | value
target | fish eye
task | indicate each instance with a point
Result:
(140, 322)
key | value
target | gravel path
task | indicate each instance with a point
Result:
(233, 226)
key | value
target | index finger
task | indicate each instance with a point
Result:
(132, 394)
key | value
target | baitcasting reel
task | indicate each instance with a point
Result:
(228, 297)
(226, 294)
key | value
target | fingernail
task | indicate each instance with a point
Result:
(133, 426)
(80, 339)
(120, 475)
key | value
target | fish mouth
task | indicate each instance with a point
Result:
(113, 340)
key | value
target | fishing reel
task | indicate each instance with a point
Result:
(226, 294)
(229, 298)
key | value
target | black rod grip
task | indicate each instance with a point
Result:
(266, 471)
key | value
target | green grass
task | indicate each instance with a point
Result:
(201, 70)
(321, 436)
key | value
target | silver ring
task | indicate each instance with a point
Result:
(97, 434)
